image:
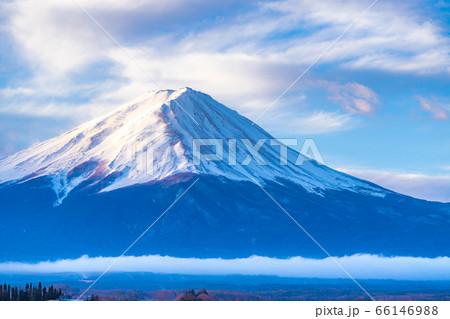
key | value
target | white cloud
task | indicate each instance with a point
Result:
(54, 37)
(391, 36)
(310, 123)
(360, 266)
(232, 58)
(433, 188)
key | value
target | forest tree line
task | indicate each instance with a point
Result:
(29, 293)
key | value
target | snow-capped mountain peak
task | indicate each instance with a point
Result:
(152, 138)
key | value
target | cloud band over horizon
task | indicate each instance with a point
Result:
(360, 266)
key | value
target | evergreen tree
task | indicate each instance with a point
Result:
(35, 293)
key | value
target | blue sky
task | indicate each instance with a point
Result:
(377, 104)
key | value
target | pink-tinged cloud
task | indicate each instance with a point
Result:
(437, 112)
(353, 97)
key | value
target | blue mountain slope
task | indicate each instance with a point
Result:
(216, 218)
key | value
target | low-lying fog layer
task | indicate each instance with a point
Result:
(359, 266)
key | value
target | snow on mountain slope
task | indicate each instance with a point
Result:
(157, 130)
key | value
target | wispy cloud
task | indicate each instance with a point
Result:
(322, 122)
(245, 56)
(311, 123)
(360, 266)
(353, 97)
(436, 111)
(428, 187)
(391, 37)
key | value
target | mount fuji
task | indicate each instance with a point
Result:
(90, 192)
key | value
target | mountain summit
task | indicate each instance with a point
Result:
(95, 189)
(115, 150)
